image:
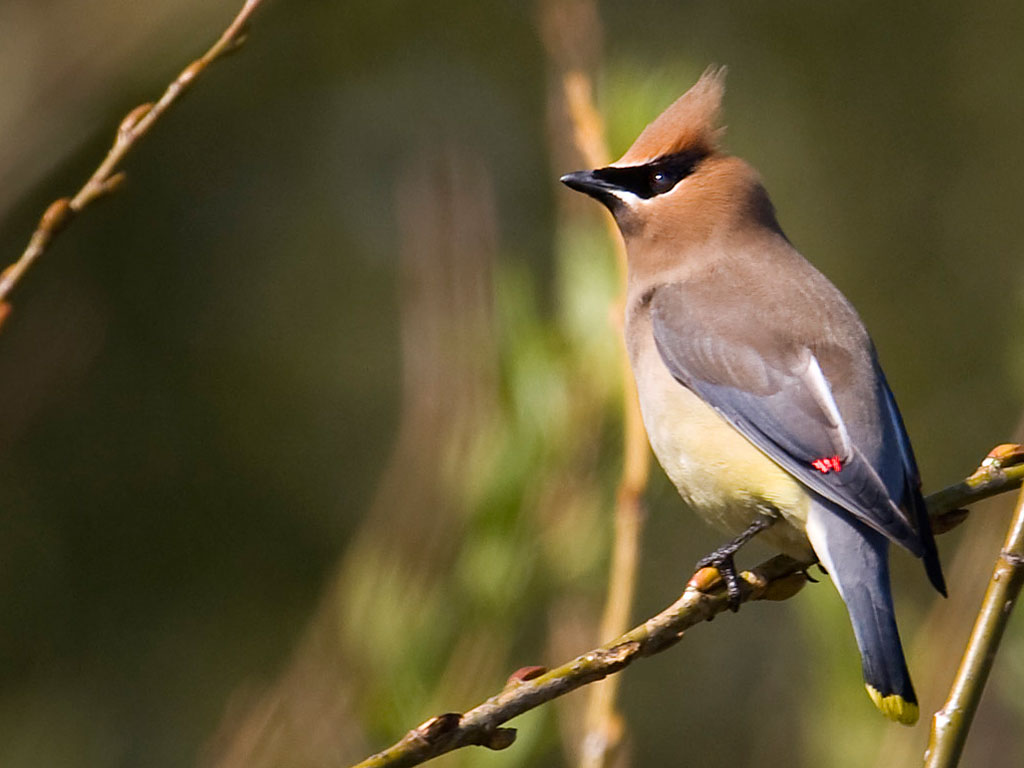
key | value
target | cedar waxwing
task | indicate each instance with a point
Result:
(760, 388)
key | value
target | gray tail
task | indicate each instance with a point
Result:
(857, 559)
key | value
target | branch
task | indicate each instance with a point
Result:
(569, 31)
(951, 723)
(776, 579)
(106, 178)
(603, 729)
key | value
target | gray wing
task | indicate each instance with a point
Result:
(808, 393)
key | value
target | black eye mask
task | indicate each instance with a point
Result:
(655, 178)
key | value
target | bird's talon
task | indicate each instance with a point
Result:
(726, 568)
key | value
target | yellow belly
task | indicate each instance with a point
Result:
(718, 472)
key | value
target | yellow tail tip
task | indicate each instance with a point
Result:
(894, 706)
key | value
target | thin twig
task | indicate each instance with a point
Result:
(106, 178)
(951, 724)
(603, 729)
(776, 579)
(603, 726)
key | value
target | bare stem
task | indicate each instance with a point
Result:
(571, 31)
(106, 178)
(603, 728)
(951, 724)
(776, 579)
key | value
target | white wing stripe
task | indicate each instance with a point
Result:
(822, 393)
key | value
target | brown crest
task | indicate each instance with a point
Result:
(691, 122)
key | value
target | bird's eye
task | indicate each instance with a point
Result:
(661, 181)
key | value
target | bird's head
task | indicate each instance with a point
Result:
(675, 183)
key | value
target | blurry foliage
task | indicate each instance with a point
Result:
(203, 383)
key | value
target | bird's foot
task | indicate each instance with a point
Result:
(722, 561)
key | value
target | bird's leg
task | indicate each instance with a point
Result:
(722, 558)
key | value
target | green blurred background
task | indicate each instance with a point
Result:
(313, 431)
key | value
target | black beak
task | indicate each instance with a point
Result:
(589, 183)
(583, 181)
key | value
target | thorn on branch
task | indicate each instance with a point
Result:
(945, 522)
(111, 185)
(188, 74)
(127, 126)
(499, 738)
(704, 580)
(436, 728)
(998, 459)
(523, 674)
(1005, 455)
(785, 587)
(237, 40)
(56, 216)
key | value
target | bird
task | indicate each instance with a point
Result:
(760, 388)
